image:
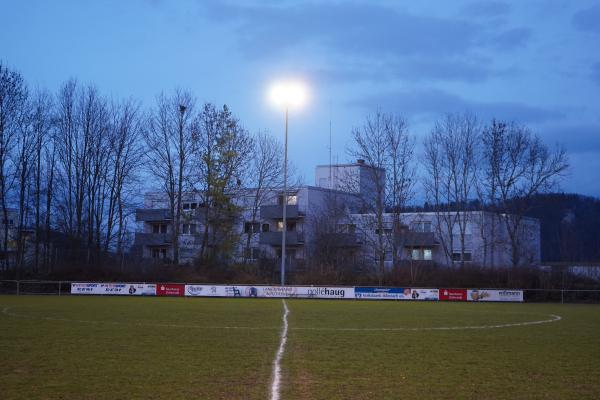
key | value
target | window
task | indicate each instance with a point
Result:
(415, 254)
(427, 254)
(193, 206)
(186, 206)
(265, 227)
(253, 253)
(291, 226)
(159, 253)
(421, 226)
(250, 227)
(159, 228)
(292, 200)
(189, 229)
(467, 256)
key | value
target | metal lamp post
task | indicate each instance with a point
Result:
(285, 199)
(287, 94)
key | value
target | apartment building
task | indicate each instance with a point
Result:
(334, 212)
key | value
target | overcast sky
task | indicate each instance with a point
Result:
(535, 62)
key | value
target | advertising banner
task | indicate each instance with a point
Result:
(383, 293)
(495, 295)
(170, 289)
(453, 294)
(119, 289)
(425, 294)
(319, 292)
(219, 291)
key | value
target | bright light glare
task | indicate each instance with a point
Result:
(288, 94)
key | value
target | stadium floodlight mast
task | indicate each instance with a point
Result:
(286, 94)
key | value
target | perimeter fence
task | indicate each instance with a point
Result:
(62, 288)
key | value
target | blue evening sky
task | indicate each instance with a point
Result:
(535, 62)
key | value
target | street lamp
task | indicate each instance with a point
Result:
(286, 95)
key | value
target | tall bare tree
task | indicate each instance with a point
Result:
(450, 162)
(400, 176)
(169, 151)
(518, 165)
(371, 146)
(13, 100)
(266, 172)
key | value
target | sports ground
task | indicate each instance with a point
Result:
(72, 347)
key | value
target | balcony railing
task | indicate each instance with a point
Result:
(152, 214)
(292, 238)
(276, 212)
(152, 239)
(418, 239)
(342, 239)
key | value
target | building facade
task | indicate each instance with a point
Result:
(337, 214)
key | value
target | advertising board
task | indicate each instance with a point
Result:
(118, 289)
(425, 294)
(170, 289)
(382, 293)
(453, 294)
(320, 292)
(495, 295)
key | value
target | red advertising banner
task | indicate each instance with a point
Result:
(453, 294)
(170, 289)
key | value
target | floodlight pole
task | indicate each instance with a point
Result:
(285, 199)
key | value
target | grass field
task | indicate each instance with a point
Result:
(177, 348)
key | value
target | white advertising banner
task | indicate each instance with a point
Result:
(495, 295)
(425, 294)
(121, 289)
(319, 292)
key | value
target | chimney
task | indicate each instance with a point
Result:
(360, 161)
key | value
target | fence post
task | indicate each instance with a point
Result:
(59, 287)
(17, 288)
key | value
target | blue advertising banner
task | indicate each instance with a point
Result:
(382, 293)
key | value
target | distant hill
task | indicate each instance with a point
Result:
(570, 225)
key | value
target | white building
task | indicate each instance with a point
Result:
(334, 212)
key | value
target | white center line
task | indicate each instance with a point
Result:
(276, 363)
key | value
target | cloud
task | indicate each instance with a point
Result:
(431, 103)
(487, 9)
(595, 73)
(359, 29)
(578, 138)
(587, 19)
(511, 38)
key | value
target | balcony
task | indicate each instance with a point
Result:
(292, 238)
(152, 239)
(342, 239)
(152, 214)
(418, 239)
(276, 212)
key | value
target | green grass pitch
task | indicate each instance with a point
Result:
(180, 348)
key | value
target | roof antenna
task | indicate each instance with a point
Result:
(330, 164)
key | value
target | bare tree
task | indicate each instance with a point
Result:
(169, 148)
(370, 146)
(13, 98)
(266, 172)
(518, 165)
(400, 176)
(41, 125)
(126, 155)
(450, 162)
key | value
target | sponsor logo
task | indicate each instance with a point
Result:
(327, 292)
